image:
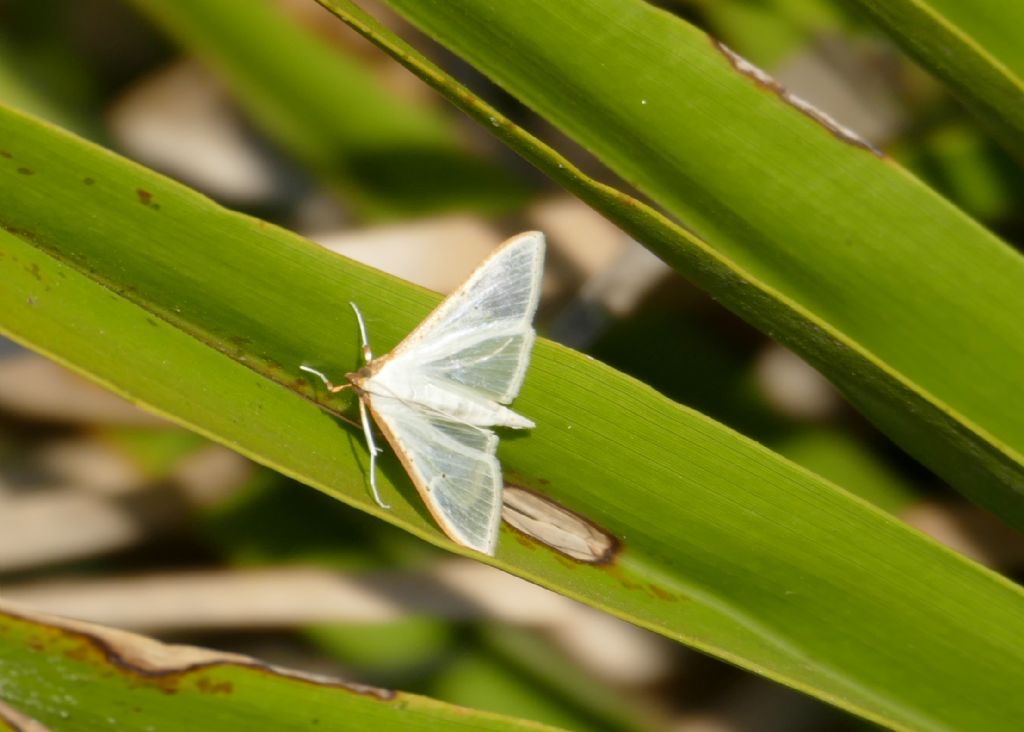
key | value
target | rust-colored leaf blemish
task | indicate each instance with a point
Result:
(524, 540)
(765, 80)
(5, 154)
(662, 594)
(209, 686)
(566, 562)
(88, 181)
(146, 199)
(655, 591)
(556, 527)
(80, 653)
(620, 576)
(26, 171)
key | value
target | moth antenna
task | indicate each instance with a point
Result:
(374, 452)
(367, 353)
(327, 382)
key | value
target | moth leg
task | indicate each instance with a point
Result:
(374, 452)
(363, 416)
(334, 389)
(367, 353)
(331, 387)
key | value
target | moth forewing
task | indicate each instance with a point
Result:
(496, 303)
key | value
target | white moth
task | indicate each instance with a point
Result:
(436, 396)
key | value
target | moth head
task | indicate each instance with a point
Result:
(358, 378)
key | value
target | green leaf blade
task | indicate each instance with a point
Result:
(205, 315)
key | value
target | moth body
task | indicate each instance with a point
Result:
(444, 402)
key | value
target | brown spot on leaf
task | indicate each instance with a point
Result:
(662, 594)
(78, 653)
(26, 171)
(524, 540)
(765, 80)
(88, 181)
(33, 269)
(5, 154)
(208, 686)
(627, 582)
(146, 199)
(556, 527)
